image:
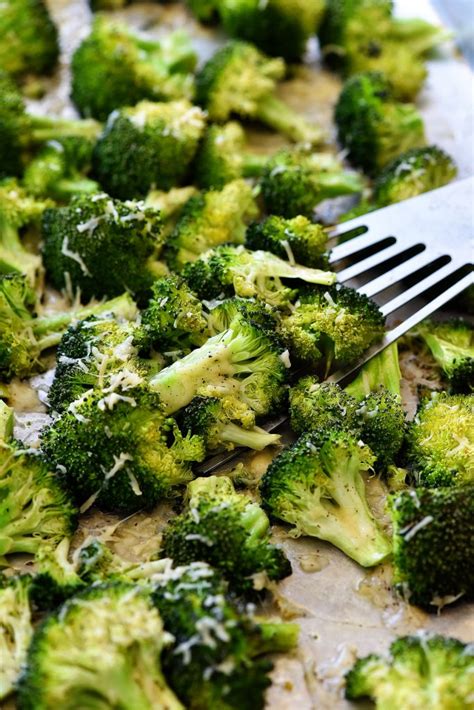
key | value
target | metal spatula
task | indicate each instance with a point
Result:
(407, 250)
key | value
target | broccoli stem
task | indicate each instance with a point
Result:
(421, 36)
(253, 164)
(13, 255)
(282, 118)
(255, 438)
(334, 184)
(276, 637)
(383, 370)
(43, 129)
(67, 188)
(6, 422)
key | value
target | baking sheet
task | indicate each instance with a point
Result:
(343, 610)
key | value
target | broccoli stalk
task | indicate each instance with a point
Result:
(451, 343)
(16, 629)
(227, 530)
(320, 490)
(381, 371)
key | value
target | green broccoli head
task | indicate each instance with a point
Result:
(56, 578)
(28, 38)
(210, 219)
(331, 327)
(227, 530)
(433, 544)
(425, 670)
(213, 662)
(239, 80)
(102, 648)
(235, 270)
(16, 629)
(372, 126)
(59, 169)
(383, 425)
(451, 343)
(294, 182)
(269, 26)
(296, 239)
(115, 447)
(416, 171)
(320, 490)
(224, 423)
(147, 145)
(221, 157)
(93, 231)
(114, 67)
(441, 441)
(243, 360)
(174, 319)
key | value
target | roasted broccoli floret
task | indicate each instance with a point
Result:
(331, 327)
(422, 671)
(102, 247)
(297, 240)
(23, 336)
(34, 508)
(227, 530)
(433, 544)
(170, 203)
(320, 490)
(28, 38)
(101, 649)
(243, 360)
(441, 441)
(59, 170)
(18, 212)
(280, 28)
(148, 145)
(114, 67)
(239, 80)
(221, 157)
(118, 449)
(294, 182)
(451, 343)
(16, 629)
(213, 662)
(235, 270)
(412, 173)
(55, 579)
(321, 408)
(210, 219)
(224, 423)
(21, 131)
(174, 319)
(372, 126)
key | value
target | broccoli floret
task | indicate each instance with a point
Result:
(280, 28)
(59, 170)
(295, 181)
(34, 508)
(235, 270)
(210, 219)
(224, 423)
(213, 662)
(174, 319)
(204, 10)
(170, 203)
(433, 544)
(331, 328)
(412, 173)
(101, 649)
(441, 441)
(21, 131)
(422, 671)
(113, 67)
(239, 80)
(28, 38)
(320, 490)
(372, 126)
(148, 145)
(97, 352)
(297, 240)
(227, 530)
(16, 629)
(451, 343)
(23, 337)
(56, 578)
(243, 360)
(102, 247)
(118, 449)
(18, 211)
(221, 157)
